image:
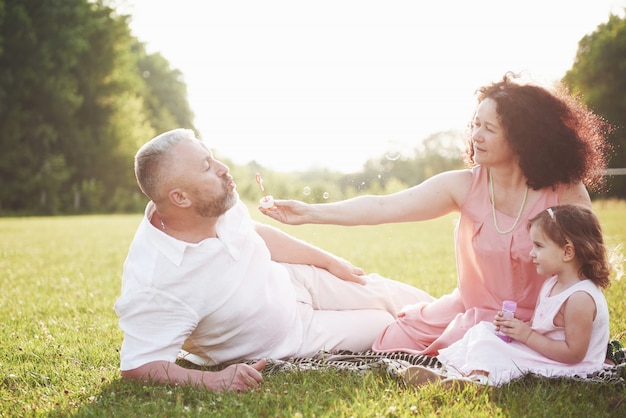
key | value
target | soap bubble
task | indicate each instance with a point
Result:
(325, 195)
(392, 156)
(306, 191)
(395, 150)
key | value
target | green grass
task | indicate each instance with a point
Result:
(59, 337)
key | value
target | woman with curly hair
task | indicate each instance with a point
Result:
(529, 149)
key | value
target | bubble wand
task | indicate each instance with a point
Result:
(266, 202)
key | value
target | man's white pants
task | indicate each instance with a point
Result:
(341, 315)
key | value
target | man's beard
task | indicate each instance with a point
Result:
(216, 205)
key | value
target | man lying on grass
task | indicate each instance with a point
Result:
(202, 278)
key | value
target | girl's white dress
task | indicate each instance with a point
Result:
(482, 349)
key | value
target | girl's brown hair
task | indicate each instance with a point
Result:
(580, 227)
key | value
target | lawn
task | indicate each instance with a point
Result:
(59, 337)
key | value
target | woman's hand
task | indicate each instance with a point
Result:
(292, 212)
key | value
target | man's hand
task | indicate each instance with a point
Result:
(346, 271)
(234, 378)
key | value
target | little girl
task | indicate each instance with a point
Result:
(570, 327)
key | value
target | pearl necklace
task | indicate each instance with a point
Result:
(493, 207)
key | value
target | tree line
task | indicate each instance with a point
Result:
(598, 75)
(79, 94)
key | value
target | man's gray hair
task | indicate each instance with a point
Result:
(153, 160)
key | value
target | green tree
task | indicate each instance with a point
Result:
(438, 152)
(113, 120)
(38, 96)
(78, 96)
(166, 92)
(599, 76)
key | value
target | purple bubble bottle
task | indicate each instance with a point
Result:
(508, 311)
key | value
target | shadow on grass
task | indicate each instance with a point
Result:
(347, 393)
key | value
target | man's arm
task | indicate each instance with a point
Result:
(287, 249)
(236, 377)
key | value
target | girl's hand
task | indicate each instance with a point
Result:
(512, 327)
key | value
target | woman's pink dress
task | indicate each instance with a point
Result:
(492, 267)
(482, 349)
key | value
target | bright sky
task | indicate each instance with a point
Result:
(330, 83)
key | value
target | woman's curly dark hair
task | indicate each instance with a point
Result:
(557, 138)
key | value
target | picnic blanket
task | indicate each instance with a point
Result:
(394, 363)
